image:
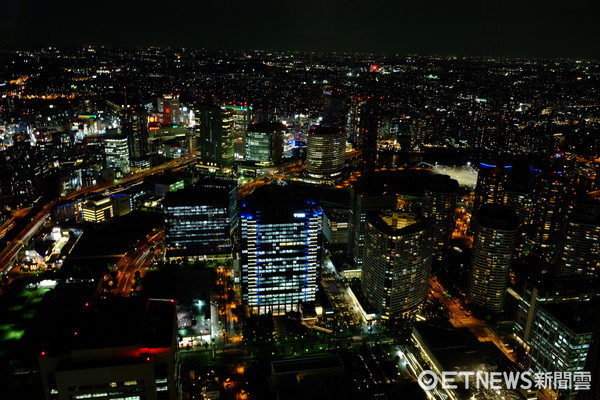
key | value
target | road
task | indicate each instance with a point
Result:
(135, 261)
(460, 317)
(9, 253)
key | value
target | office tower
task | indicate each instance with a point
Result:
(554, 322)
(493, 249)
(122, 203)
(335, 225)
(362, 200)
(334, 103)
(98, 209)
(116, 154)
(397, 262)
(215, 137)
(353, 121)
(325, 154)
(440, 204)
(201, 221)
(491, 184)
(125, 348)
(264, 143)
(579, 250)
(281, 250)
(548, 208)
(240, 116)
(170, 108)
(519, 198)
(134, 125)
(369, 129)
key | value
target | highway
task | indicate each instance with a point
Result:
(8, 254)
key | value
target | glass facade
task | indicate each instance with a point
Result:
(326, 149)
(280, 257)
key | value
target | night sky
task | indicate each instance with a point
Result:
(517, 28)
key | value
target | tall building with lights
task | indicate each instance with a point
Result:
(440, 204)
(493, 250)
(281, 250)
(579, 250)
(361, 202)
(325, 154)
(548, 209)
(170, 107)
(264, 143)
(491, 185)
(215, 137)
(98, 209)
(397, 262)
(201, 221)
(116, 153)
(519, 198)
(134, 125)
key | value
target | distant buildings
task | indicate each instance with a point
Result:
(397, 262)
(368, 131)
(440, 204)
(264, 143)
(325, 154)
(493, 250)
(201, 221)
(122, 349)
(281, 250)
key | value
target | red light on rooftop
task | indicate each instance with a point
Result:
(374, 68)
(43, 353)
(87, 304)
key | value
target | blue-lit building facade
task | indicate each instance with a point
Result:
(281, 246)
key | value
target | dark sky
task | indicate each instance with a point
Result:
(529, 28)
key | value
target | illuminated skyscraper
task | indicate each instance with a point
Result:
(170, 107)
(264, 143)
(397, 263)
(200, 222)
(325, 156)
(550, 196)
(440, 204)
(579, 250)
(116, 153)
(493, 249)
(215, 137)
(281, 250)
(518, 198)
(134, 125)
(491, 184)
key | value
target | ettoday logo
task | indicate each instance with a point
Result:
(580, 380)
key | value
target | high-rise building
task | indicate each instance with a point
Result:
(579, 250)
(361, 202)
(240, 116)
(493, 250)
(369, 129)
(134, 125)
(215, 137)
(555, 323)
(281, 250)
(335, 225)
(397, 262)
(548, 208)
(264, 143)
(518, 198)
(122, 349)
(116, 154)
(440, 204)
(325, 154)
(201, 221)
(170, 108)
(491, 184)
